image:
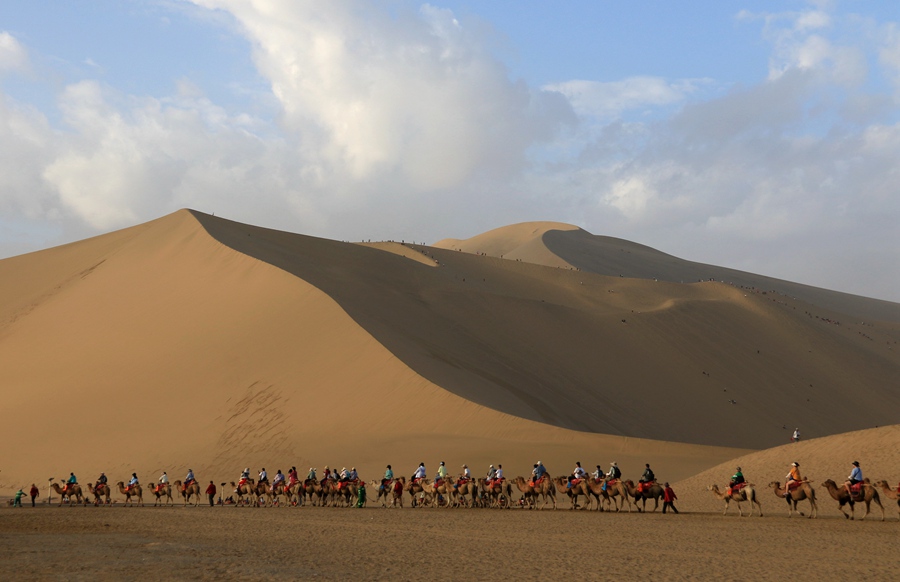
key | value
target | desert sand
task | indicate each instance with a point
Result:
(196, 342)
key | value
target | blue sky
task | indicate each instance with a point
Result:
(760, 135)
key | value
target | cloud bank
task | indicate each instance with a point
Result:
(391, 122)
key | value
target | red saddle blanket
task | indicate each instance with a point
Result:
(611, 482)
(794, 484)
(398, 486)
(241, 483)
(438, 482)
(159, 488)
(575, 482)
(644, 486)
(187, 484)
(856, 489)
(462, 482)
(537, 483)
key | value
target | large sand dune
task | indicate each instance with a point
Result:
(196, 341)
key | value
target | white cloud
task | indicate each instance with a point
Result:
(13, 55)
(609, 100)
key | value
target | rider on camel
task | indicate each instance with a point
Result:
(466, 473)
(293, 478)
(792, 477)
(539, 472)
(345, 476)
(611, 475)
(498, 477)
(736, 479)
(133, 482)
(245, 476)
(263, 476)
(311, 476)
(354, 476)
(420, 472)
(101, 480)
(855, 477)
(491, 474)
(646, 479)
(441, 472)
(598, 474)
(388, 476)
(279, 478)
(188, 480)
(577, 473)
(162, 482)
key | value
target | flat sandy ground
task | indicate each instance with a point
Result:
(427, 544)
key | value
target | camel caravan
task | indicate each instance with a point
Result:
(598, 491)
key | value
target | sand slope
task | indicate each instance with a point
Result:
(196, 341)
(564, 245)
(159, 348)
(877, 450)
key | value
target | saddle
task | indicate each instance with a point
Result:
(159, 487)
(537, 483)
(187, 484)
(644, 486)
(462, 482)
(856, 491)
(611, 482)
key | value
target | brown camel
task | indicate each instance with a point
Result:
(464, 490)
(546, 488)
(803, 491)
(746, 493)
(654, 492)
(313, 490)
(160, 491)
(497, 494)
(73, 490)
(248, 490)
(192, 490)
(417, 488)
(888, 492)
(574, 491)
(133, 492)
(610, 494)
(382, 491)
(839, 494)
(100, 492)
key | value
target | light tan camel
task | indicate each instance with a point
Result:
(839, 494)
(573, 492)
(100, 492)
(160, 491)
(746, 493)
(133, 492)
(192, 490)
(546, 488)
(248, 490)
(496, 494)
(654, 492)
(888, 492)
(801, 492)
(464, 490)
(611, 494)
(417, 488)
(73, 490)
(313, 490)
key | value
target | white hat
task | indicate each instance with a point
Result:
(492, 466)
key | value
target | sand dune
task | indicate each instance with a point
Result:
(196, 341)
(564, 245)
(877, 450)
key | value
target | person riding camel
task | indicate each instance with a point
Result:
(354, 476)
(311, 476)
(133, 482)
(598, 474)
(162, 482)
(539, 473)
(611, 475)
(441, 473)
(792, 477)
(69, 482)
(263, 476)
(279, 478)
(101, 480)
(491, 474)
(245, 476)
(855, 477)
(188, 480)
(420, 473)
(345, 476)
(293, 478)
(388, 476)
(646, 479)
(466, 474)
(577, 474)
(326, 476)
(736, 479)
(498, 477)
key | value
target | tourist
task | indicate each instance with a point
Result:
(669, 498)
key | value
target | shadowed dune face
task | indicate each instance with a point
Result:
(694, 363)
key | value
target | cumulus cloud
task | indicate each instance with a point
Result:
(13, 55)
(609, 100)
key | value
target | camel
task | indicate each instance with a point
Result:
(73, 490)
(804, 491)
(192, 490)
(464, 490)
(546, 488)
(164, 491)
(581, 488)
(746, 493)
(314, 491)
(654, 492)
(839, 494)
(445, 490)
(610, 494)
(133, 492)
(414, 488)
(889, 492)
(99, 492)
(248, 490)
(495, 495)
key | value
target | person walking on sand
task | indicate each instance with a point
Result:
(211, 493)
(796, 436)
(669, 498)
(34, 493)
(18, 500)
